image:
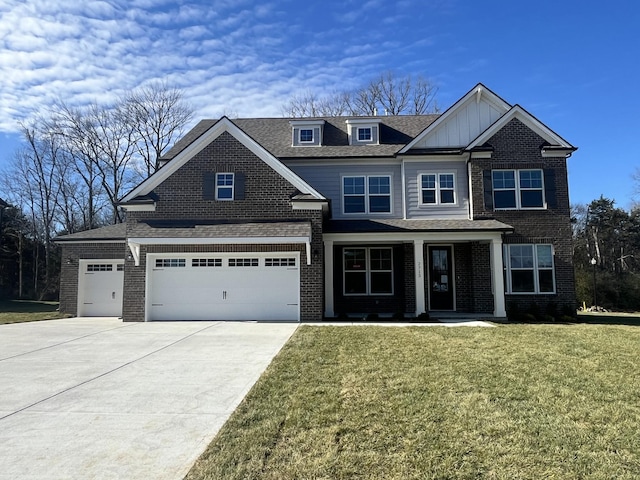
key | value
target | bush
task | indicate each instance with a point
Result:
(372, 317)
(423, 317)
(398, 316)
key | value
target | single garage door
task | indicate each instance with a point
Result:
(100, 288)
(224, 287)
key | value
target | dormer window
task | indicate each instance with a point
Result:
(363, 131)
(364, 134)
(306, 133)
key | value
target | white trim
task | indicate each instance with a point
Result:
(143, 207)
(66, 242)
(529, 120)
(366, 194)
(136, 242)
(536, 269)
(300, 129)
(306, 205)
(223, 125)
(517, 189)
(497, 279)
(232, 186)
(437, 190)
(477, 91)
(402, 237)
(367, 271)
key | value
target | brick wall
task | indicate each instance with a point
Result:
(267, 197)
(517, 147)
(71, 254)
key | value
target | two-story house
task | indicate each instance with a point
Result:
(309, 218)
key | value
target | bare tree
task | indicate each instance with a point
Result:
(159, 114)
(386, 94)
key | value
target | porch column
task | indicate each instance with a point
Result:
(328, 279)
(418, 255)
(497, 279)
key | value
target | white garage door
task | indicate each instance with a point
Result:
(224, 287)
(100, 288)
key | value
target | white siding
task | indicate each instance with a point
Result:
(415, 210)
(327, 179)
(463, 126)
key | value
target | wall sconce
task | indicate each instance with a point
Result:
(69, 261)
(129, 257)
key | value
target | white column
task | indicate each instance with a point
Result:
(328, 279)
(418, 255)
(497, 279)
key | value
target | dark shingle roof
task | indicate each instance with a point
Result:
(274, 134)
(224, 230)
(117, 232)
(400, 225)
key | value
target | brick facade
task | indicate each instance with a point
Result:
(70, 268)
(267, 197)
(518, 147)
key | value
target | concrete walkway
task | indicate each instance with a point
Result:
(101, 399)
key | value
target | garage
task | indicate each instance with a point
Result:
(239, 286)
(100, 288)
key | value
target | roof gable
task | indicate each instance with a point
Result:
(203, 137)
(463, 121)
(519, 113)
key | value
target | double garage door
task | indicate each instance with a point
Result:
(247, 286)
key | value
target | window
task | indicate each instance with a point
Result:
(170, 262)
(364, 134)
(206, 262)
(306, 135)
(224, 186)
(99, 267)
(243, 262)
(529, 268)
(120, 267)
(437, 188)
(280, 262)
(367, 194)
(517, 189)
(368, 271)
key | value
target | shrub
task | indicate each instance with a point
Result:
(372, 317)
(423, 317)
(398, 316)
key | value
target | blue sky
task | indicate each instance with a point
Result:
(574, 65)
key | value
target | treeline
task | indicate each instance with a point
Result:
(606, 248)
(73, 167)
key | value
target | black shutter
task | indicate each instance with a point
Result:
(209, 186)
(550, 188)
(238, 187)
(487, 183)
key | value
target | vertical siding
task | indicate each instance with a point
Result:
(414, 210)
(327, 179)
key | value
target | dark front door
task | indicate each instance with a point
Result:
(440, 279)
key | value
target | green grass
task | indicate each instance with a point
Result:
(513, 402)
(15, 311)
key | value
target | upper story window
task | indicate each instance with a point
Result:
(306, 135)
(366, 194)
(364, 134)
(363, 131)
(306, 132)
(518, 189)
(529, 268)
(437, 188)
(224, 186)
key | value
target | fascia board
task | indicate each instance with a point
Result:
(527, 119)
(217, 129)
(477, 91)
(442, 236)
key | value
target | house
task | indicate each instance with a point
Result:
(309, 218)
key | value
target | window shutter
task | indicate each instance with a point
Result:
(209, 186)
(488, 189)
(238, 187)
(550, 188)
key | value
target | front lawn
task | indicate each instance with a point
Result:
(14, 311)
(517, 401)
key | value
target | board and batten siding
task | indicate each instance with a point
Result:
(327, 179)
(464, 126)
(412, 170)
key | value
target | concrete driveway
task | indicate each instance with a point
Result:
(96, 398)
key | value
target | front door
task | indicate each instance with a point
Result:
(440, 279)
